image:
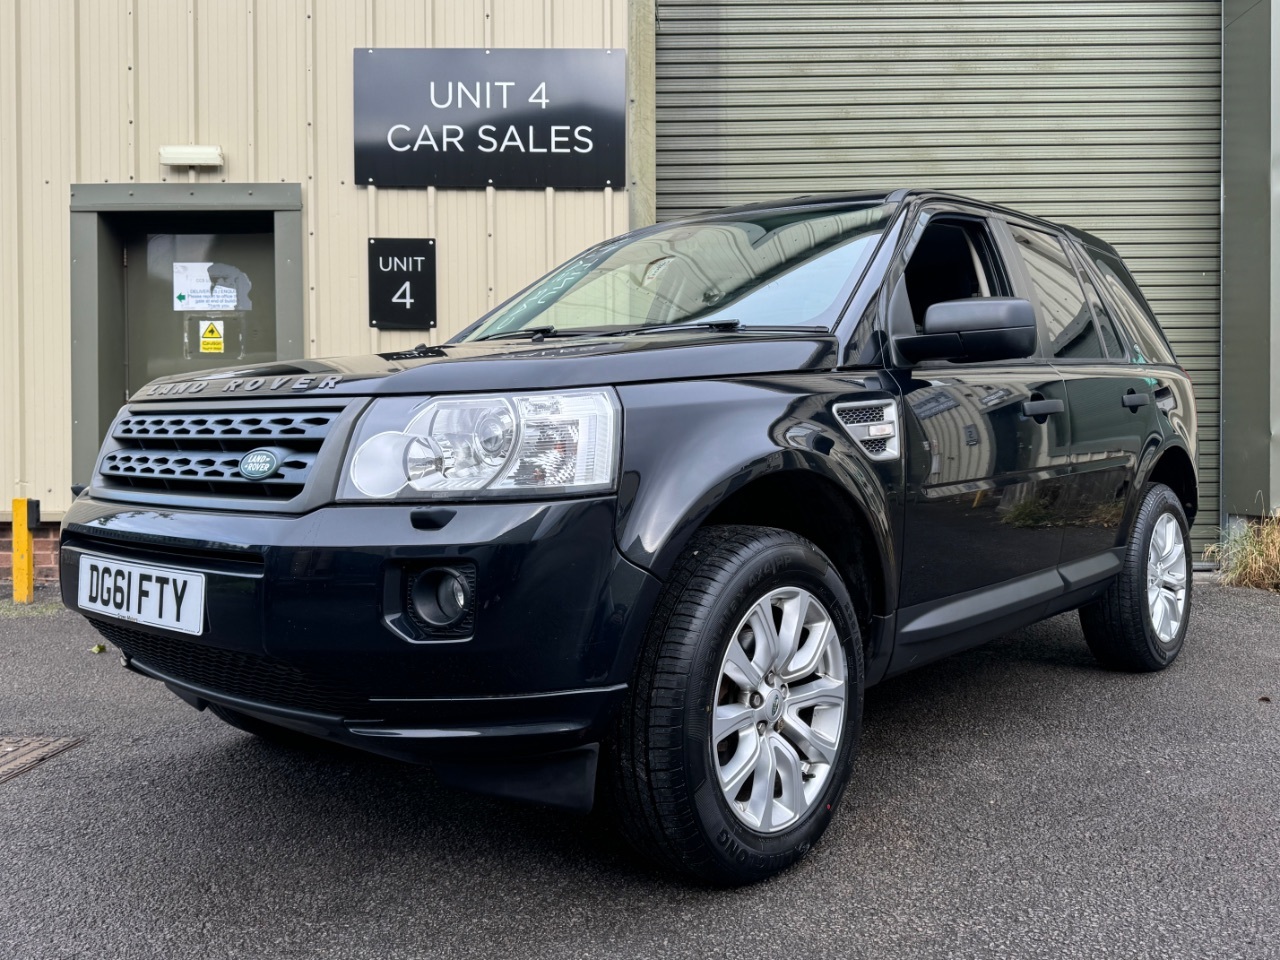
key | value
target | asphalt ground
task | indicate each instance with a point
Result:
(1014, 801)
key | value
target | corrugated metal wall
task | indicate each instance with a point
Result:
(90, 90)
(1100, 114)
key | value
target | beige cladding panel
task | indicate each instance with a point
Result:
(104, 43)
(278, 96)
(462, 269)
(45, 157)
(90, 91)
(223, 45)
(163, 78)
(12, 354)
(337, 212)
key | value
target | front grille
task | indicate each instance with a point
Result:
(208, 466)
(199, 452)
(247, 676)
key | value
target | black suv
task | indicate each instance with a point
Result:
(653, 525)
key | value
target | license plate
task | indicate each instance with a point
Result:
(142, 593)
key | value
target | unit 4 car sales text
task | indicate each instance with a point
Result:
(488, 137)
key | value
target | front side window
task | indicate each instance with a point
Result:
(954, 260)
(1063, 308)
(772, 268)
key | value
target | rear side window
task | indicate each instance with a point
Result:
(1135, 316)
(1112, 340)
(1063, 308)
(1106, 326)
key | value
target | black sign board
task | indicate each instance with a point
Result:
(501, 118)
(402, 284)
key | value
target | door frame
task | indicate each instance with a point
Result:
(99, 211)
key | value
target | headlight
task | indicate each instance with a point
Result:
(513, 445)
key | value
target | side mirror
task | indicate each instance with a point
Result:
(979, 328)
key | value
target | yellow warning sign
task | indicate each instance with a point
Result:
(211, 339)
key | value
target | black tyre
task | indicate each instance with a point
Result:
(1140, 623)
(736, 743)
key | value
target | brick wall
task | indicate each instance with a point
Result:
(45, 545)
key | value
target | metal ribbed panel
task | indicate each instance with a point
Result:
(1103, 115)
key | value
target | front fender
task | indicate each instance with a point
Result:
(690, 446)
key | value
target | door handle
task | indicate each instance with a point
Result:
(1041, 408)
(1135, 400)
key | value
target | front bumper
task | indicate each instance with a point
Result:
(305, 623)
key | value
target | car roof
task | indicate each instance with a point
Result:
(806, 200)
(889, 196)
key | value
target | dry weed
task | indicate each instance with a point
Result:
(1249, 554)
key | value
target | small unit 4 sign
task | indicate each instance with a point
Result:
(402, 284)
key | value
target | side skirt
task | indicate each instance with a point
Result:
(931, 631)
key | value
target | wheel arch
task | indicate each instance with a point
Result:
(1173, 467)
(818, 510)
(822, 511)
(763, 453)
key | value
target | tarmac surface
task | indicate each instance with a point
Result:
(1013, 801)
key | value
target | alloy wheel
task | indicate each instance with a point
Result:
(1167, 578)
(779, 711)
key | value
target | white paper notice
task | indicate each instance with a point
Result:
(210, 286)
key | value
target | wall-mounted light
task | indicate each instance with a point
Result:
(191, 155)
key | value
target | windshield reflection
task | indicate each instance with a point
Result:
(775, 268)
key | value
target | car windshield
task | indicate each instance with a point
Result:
(768, 268)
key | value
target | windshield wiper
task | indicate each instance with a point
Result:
(538, 333)
(532, 333)
(725, 326)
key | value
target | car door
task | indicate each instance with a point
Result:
(1109, 403)
(987, 455)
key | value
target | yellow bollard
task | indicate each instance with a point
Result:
(24, 561)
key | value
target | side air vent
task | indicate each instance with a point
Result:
(873, 425)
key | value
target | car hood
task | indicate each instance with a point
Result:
(515, 365)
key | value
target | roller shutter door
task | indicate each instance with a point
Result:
(1104, 115)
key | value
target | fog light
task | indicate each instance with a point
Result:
(441, 597)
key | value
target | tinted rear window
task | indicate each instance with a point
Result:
(1063, 309)
(1131, 309)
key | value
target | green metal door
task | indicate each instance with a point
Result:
(200, 294)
